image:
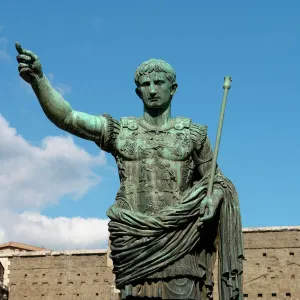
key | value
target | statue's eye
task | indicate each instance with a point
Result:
(159, 82)
(145, 83)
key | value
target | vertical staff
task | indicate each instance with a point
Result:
(226, 87)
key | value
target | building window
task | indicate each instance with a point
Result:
(259, 295)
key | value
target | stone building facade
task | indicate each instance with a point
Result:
(272, 265)
(12, 247)
(66, 275)
(271, 270)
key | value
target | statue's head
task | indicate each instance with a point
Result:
(155, 83)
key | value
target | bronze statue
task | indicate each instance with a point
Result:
(165, 229)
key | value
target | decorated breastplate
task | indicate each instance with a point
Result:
(155, 163)
(139, 140)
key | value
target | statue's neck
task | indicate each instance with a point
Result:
(157, 117)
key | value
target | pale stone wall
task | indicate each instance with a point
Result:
(4, 259)
(272, 265)
(272, 270)
(64, 275)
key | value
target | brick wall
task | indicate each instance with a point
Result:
(61, 275)
(272, 266)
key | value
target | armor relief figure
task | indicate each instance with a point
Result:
(164, 228)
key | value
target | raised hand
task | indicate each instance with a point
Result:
(30, 68)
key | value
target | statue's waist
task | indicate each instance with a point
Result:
(148, 198)
(162, 176)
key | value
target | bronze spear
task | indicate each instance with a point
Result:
(226, 87)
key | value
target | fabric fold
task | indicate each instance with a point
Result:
(142, 245)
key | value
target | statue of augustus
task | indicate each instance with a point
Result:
(164, 228)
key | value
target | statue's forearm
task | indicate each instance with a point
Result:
(63, 116)
(52, 103)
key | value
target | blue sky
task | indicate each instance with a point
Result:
(90, 52)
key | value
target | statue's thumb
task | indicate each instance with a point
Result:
(19, 48)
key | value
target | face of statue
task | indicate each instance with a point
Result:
(156, 90)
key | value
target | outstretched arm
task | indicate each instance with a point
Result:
(54, 106)
(60, 112)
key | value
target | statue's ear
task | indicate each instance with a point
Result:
(174, 88)
(138, 92)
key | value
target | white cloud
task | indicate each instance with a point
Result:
(4, 54)
(3, 47)
(62, 88)
(33, 177)
(54, 233)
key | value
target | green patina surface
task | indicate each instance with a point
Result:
(164, 229)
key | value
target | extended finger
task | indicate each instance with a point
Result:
(23, 58)
(206, 217)
(19, 48)
(26, 52)
(202, 209)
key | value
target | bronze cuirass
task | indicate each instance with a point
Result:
(155, 163)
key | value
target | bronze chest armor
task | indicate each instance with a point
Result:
(155, 165)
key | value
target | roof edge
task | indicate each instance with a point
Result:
(271, 229)
(54, 253)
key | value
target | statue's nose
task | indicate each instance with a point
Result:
(152, 91)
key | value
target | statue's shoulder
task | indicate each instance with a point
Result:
(129, 122)
(198, 134)
(182, 122)
(113, 125)
(108, 139)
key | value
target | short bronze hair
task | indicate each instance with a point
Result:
(155, 65)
